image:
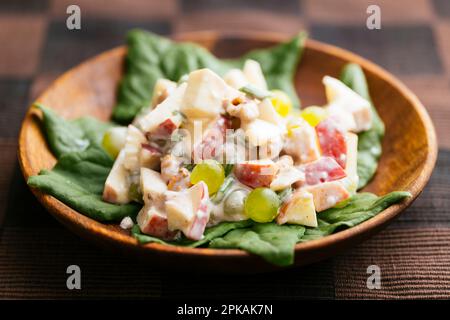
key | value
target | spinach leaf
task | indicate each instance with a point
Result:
(151, 57)
(77, 180)
(221, 229)
(271, 241)
(78, 177)
(210, 234)
(66, 136)
(369, 142)
(360, 208)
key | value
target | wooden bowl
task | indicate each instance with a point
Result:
(409, 147)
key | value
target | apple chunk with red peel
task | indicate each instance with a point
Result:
(212, 140)
(188, 211)
(343, 100)
(164, 129)
(301, 142)
(299, 209)
(285, 177)
(332, 141)
(162, 89)
(256, 173)
(326, 195)
(153, 187)
(153, 222)
(323, 170)
(168, 109)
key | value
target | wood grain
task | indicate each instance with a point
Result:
(409, 156)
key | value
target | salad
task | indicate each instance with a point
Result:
(217, 153)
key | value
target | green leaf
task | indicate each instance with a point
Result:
(360, 208)
(271, 241)
(77, 180)
(221, 229)
(369, 142)
(79, 176)
(151, 57)
(66, 136)
(276, 243)
(210, 234)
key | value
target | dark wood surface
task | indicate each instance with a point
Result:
(35, 250)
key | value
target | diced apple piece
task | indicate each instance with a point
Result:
(231, 153)
(117, 186)
(286, 177)
(323, 170)
(133, 145)
(260, 132)
(213, 139)
(285, 161)
(188, 211)
(205, 94)
(246, 110)
(343, 118)
(302, 144)
(235, 78)
(256, 173)
(162, 89)
(153, 187)
(332, 141)
(326, 195)
(253, 73)
(150, 156)
(299, 209)
(168, 109)
(352, 153)
(339, 94)
(166, 128)
(268, 113)
(153, 222)
(351, 181)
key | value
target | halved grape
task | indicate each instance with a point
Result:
(210, 172)
(114, 140)
(262, 205)
(234, 202)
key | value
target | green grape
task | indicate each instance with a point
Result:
(234, 202)
(210, 172)
(114, 140)
(262, 205)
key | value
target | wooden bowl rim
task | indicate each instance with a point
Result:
(61, 211)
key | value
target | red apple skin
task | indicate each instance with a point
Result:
(157, 226)
(256, 175)
(163, 131)
(202, 217)
(213, 139)
(332, 141)
(323, 170)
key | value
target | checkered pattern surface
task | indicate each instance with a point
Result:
(414, 43)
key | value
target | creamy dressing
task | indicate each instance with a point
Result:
(205, 102)
(217, 210)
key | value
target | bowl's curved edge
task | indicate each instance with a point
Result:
(68, 216)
